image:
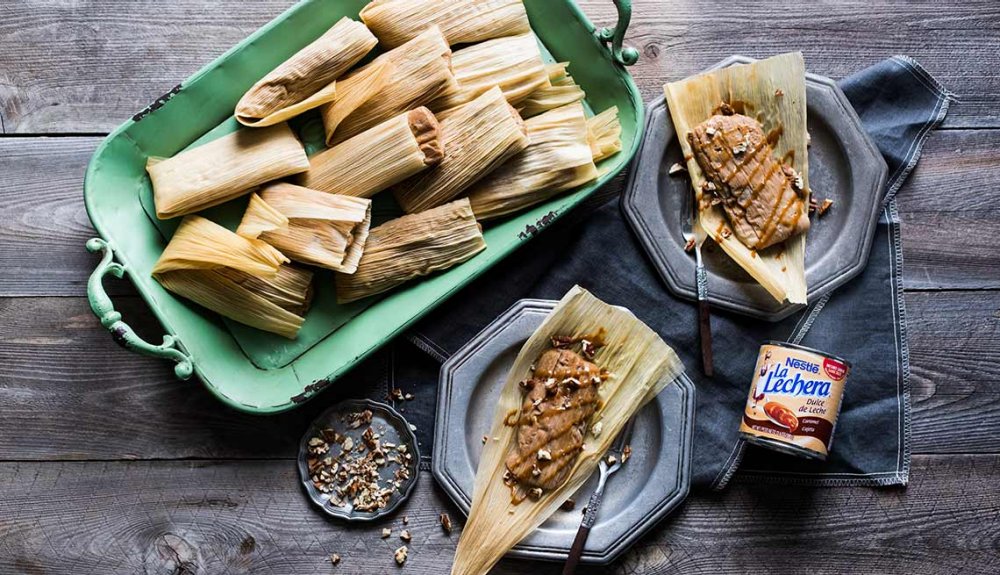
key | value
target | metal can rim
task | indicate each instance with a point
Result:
(783, 447)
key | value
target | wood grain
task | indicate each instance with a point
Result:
(70, 67)
(110, 465)
(70, 393)
(947, 244)
(250, 517)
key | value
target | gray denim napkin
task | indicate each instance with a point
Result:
(899, 104)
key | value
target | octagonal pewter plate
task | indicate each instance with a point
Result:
(654, 482)
(844, 165)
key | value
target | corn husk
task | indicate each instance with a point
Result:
(461, 21)
(642, 365)
(413, 246)
(478, 139)
(378, 157)
(559, 158)
(422, 72)
(239, 278)
(309, 226)
(562, 91)
(224, 169)
(353, 91)
(307, 79)
(514, 63)
(605, 134)
(779, 269)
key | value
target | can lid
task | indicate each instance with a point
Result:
(809, 349)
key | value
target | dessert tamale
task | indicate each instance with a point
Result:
(770, 93)
(239, 278)
(461, 21)
(306, 80)
(605, 134)
(224, 169)
(379, 157)
(412, 246)
(513, 63)
(562, 91)
(477, 139)
(354, 90)
(760, 196)
(634, 365)
(421, 73)
(558, 158)
(309, 226)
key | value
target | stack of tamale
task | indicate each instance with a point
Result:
(443, 131)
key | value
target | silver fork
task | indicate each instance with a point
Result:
(695, 233)
(594, 505)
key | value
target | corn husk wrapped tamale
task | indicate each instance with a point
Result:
(461, 21)
(641, 364)
(307, 79)
(224, 169)
(559, 158)
(478, 139)
(413, 246)
(562, 92)
(422, 72)
(514, 63)
(379, 157)
(605, 133)
(354, 90)
(239, 278)
(774, 91)
(309, 226)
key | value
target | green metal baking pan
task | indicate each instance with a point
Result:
(262, 373)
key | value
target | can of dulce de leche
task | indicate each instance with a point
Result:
(794, 400)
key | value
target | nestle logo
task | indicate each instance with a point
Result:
(802, 365)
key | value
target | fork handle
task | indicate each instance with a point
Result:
(589, 517)
(704, 322)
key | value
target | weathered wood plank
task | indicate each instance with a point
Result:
(68, 392)
(947, 243)
(87, 66)
(251, 517)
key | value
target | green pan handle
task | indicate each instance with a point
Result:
(102, 307)
(626, 56)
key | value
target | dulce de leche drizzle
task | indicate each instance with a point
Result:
(561, 397)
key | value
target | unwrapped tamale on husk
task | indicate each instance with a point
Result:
(563, 90)
(421, 73)
(243, 279)
(478, 139)
(412, 246)
(514, 63)
(379, 157)
(559, 158)
(224, 169)
(309, 226)
(640, 364)
(461, 21)
(773, 92)
(307, 79)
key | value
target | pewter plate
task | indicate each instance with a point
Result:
(392, 428)
(651, 485)
(844, 165)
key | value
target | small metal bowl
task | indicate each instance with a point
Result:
(392, 428)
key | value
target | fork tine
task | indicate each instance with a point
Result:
(623, 436)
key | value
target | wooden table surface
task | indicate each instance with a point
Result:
(110, 465)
